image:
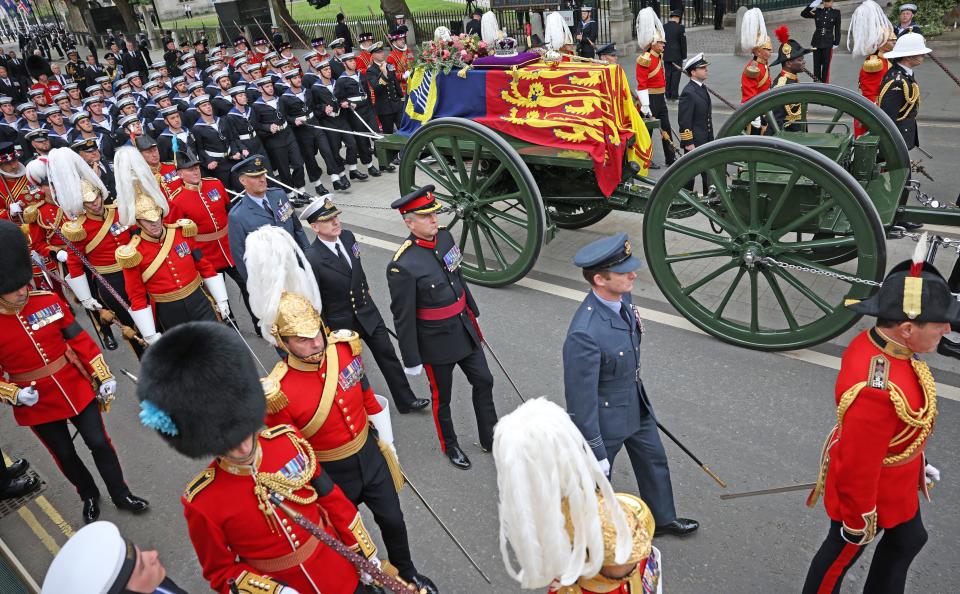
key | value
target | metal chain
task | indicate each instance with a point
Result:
(354, 205)
(836, 275)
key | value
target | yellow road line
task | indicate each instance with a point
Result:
(39, 531)
(54, 516)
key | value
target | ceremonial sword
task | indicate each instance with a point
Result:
(693, 457)
(770, 491)
(709, 90)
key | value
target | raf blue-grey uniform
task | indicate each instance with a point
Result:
(601, 377)
(248, 216)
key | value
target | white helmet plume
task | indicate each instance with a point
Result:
(542, 461)
(556, 34)
(275, 264)
(130, 170)
(869, 29)
(489, 28)
(36, 171)
(753, 30)
(649, 28)
(66, 169)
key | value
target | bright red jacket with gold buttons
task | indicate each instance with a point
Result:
(233, 538)
(43, 345)
(873, 462)
(98, 238)
(650, 73)
(206, 206)
(754, 80)
(166, 269)
(329, 409)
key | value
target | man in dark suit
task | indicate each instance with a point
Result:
(899, 92)
(601, 376)
(132, 60)
(473, 25)
(347, 304)
(11, 86)
(342, 31)
(435, 318)
(259, 206)
(826, 35)
(674, 53)
(695, 111)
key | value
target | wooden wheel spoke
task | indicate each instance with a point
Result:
(754, 195)
(781, 299)
(463, 236)
(474, 165)
(493, 245)
(458, 160)
(803, 289)
(837, 115)
(722, 191)
(781, 200)
(684, 230)
(691, 288)
(707, 212)
(488, 224)
(696, 255)
(772, 122)
(454, 183)
(806, 218)
(434, 175)
(502, 214)
(827, 242)
(726, 296)
(490, 179)
(501, 198)
(478, 249)
(754, 302)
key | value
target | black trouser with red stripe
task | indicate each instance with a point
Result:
(821, 63)
(115, 280)
(89, 423)
(888, 569)
(474, 366)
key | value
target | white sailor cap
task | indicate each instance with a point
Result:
(911, 7)
(694, 62)
(221, 74)
(200, 99)
(263, 80)
(96, 560)
(291, 73)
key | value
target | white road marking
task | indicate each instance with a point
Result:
(806, 355)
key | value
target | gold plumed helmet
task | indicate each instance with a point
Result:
(138, 194)
(72, 182)
(641, 524)
(296, 316)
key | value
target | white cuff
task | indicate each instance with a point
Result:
(217, 288)
(80, 287)
(381, 420)
(644, 96)
(143, 318)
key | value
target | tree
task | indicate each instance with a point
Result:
(929, 15)
(130, 23)
(286, 21)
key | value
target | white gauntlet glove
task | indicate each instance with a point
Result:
(143, 320)
(81, 289)
(605, 467)
(108, 388)
(15, 209)
(644, 97)
(28, 396)
(932, 473)
(756, 123)
(62, 256)
(218, 290)
(413, 370)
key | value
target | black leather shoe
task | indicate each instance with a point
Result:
(109, 342)
(373, 171)
(422, 583)
(911, 226)
(340, 185)
(948, 348)
(321, 190)
(678, 527)
(389, 168)
(345, 181)
(20, 486)
(132, 503)
(417, 404)
(359, 175)
(91, 509)
(458, 458)
(396, 161)
(653, 166)
(18, 467)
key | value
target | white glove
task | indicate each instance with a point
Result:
(605, 467)
(108, 388)
(91, 304)
(299, 121)
(287, 590)
(406, 75)
(15, 209)
(381, 421)
(413, 370)
(932, 472)
(224, 308)
(644, 96)
(28, 396)
(62, 256)
(756, 123)
(143, 320)
(218, 290)
(816, 3)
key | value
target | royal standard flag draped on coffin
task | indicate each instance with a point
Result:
(571, 106)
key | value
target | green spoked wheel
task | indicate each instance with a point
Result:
(766, 202)
(496, 213)
(577, 215)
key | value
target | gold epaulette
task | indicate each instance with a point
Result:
(187, 227)
(276, 399)
(31, 213)
(198, 483)
(644, 59)
(274, 432)
(752, 70)
(127, 255)
(873, 64)
(73, 230)
(403, 248)
(347, 336)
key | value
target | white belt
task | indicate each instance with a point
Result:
(213, 154)
(245, 136)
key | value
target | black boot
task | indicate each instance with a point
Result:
(132, 503)
(359, 175)
(20, 486)
(458, 458)
(389, 168)
(340, 184)
(373, 171)
(91, 509)
(321, 190)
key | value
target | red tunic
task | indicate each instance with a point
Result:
(363, 61)
(179, 271)
(13, 189)
(49, 90)
(99, 240)
(401, 60)
(871, 75)
(206, 206)
(34, 337)
(650, 73)
(305, 387)
(230, 533)
(858, 481)
(752, 84)
(41, 219)
(168, 178)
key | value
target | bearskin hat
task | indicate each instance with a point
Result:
(199, 389)
(15, 267)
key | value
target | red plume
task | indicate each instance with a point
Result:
(782, 33)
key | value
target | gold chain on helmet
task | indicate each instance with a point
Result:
(276, 482)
